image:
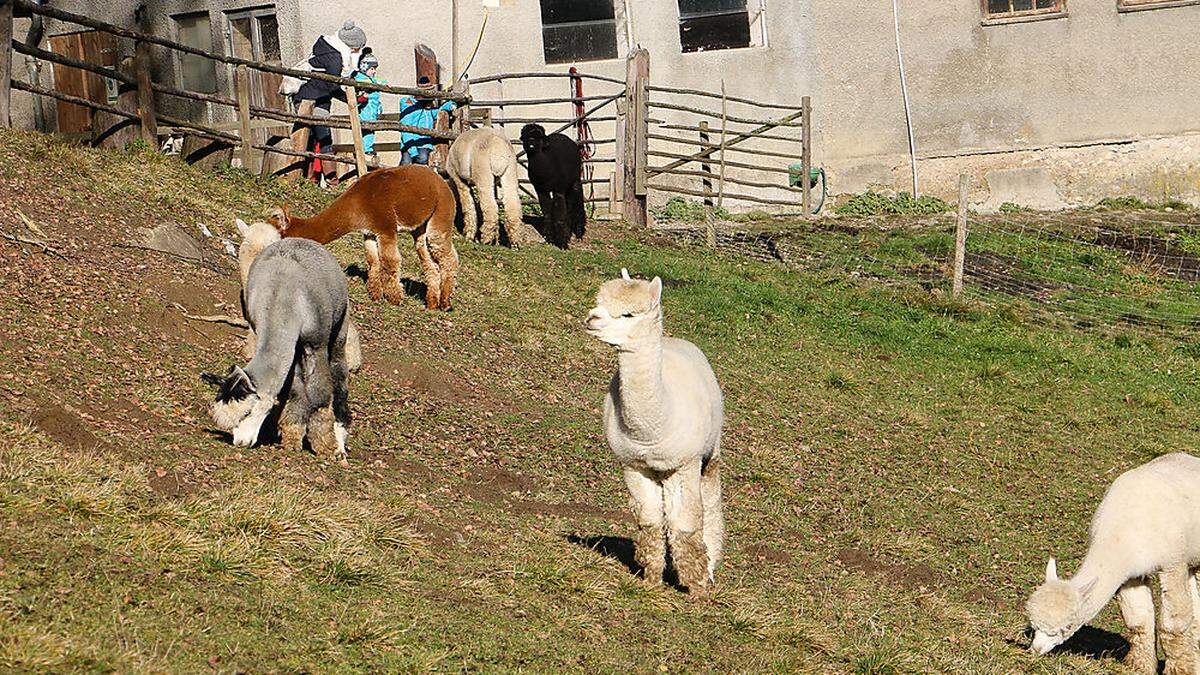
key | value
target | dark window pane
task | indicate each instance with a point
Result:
(196, 72)
(570, 11)
(693, 7)
(722, 31)
(998, 6)
(580, 42)
(1047, 4)
(268, 28)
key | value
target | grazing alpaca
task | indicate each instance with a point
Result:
(255, 238)
(555, 169)
(662, 417)
(410, 198)
(297, 303)
(477, 158)
(1147, 523)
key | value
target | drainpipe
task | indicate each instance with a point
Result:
(912, 144)
(33, 66)
(628, 26)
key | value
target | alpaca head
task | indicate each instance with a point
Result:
(238, 408)
(533, 137)
(255, 238)
(627, 310)
(1054, 610)
(279, 217)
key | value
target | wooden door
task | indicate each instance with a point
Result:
(93, 47)
(254, 35)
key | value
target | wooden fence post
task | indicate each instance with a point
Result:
(6, 29)
(242, 82)
(806, 155)
(705, 167)
(141, 64)
(300, 133)
(637, 73)
(960, 237)
(724, 135)
(360, 155)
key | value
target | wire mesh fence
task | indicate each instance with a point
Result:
(1088, 268)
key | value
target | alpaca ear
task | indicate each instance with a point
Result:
(211, 379)
(1051, 570)
(237, 386)
(625, 274)
(242, 227)
(656, 291)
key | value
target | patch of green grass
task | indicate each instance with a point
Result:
(902, 204)
(679, 209)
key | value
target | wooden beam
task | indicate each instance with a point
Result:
(6, 31)
(637, 71)
(242, 82)
(360, 155)
(960, 236)
(145, 89)
(806, 155)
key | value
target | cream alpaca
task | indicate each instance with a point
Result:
(477, 158)
(255, 238)
(1147, 523)
(662, 418)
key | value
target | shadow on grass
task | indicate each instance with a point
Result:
(1089, 642)
(621, 550)
(413, 288)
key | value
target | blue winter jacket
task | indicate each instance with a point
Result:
(422, 115)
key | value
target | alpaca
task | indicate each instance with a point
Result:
(410, 198)
(555, 169)
(298, 304)
(477, 158)
(255, 238)
(662, 418)
(1147, 523)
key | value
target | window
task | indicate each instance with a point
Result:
(1010, 11)
(253, 34)
(1138, 5)
(578, 30)
(196, 73)
(713, 24)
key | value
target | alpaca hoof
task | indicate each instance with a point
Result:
(293, 437)
(374, 291)
(394, 295)
(1141, 662)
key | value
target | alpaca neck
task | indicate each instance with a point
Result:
(639, 372)
(1108, 577)
(322, 228)
(274, 355)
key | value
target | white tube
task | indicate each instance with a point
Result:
(912, 144)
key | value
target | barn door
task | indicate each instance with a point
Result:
(254, 35)
(93, 47)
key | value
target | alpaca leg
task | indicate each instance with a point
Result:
(433, 274)
(1137, 609)
(685, 527)
(1176, 621)
(353, 346)
(485, 193)
(440, 249)
(576, 211)
(389, 257)
(646, 502)
(714, 514)
(1194, 585)
(294, 413)
(374, 267)
(466, 204)
(518, 232)
(339, 373)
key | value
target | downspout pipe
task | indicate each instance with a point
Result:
(33, 66)
(912, 144)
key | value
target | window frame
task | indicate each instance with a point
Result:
(989, 19)
(178, 60)
(756, 17)
(1124, 6)
(571, 24)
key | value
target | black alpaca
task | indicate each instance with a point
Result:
(555, 169)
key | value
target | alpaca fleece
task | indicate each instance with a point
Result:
(478, 157)
(382, 204)
(1147, 523)
(556, 170)
(296, 302)
(662, 418)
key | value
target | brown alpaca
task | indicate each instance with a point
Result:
(381, 205)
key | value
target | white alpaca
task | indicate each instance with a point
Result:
(662, 418)
(1148, 522)
(477, 158)
(255, 238)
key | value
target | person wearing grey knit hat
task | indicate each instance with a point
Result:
(353, 36)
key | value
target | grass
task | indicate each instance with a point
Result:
(899, 464)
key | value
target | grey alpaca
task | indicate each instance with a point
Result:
(297, 305)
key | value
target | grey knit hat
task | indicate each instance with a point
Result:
(353, 36)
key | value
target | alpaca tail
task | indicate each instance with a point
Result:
(714, 516)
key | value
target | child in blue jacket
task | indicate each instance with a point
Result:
(423, 113)
(370, 103)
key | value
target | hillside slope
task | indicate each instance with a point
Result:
(898, 467)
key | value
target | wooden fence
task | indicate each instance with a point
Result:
(638, 112)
